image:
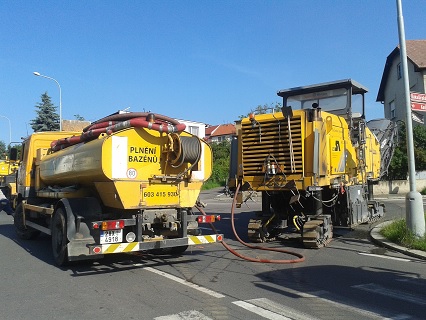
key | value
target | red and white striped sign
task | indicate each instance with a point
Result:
(418, 97)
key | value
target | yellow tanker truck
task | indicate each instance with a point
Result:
(127, 183)
(315, 162)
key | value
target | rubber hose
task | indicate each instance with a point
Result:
(300, 257)
(191, 151)
(117, 122)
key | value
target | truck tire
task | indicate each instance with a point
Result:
(59, 237)
(23, 232)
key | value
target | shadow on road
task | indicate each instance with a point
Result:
(41, 249)
(365, 288)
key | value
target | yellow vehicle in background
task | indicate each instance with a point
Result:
(315, 162)
(127, 183)
(8, 168)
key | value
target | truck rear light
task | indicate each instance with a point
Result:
(208, 219)
(97, 250)
(112, 224)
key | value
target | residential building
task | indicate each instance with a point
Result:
(195, 128)
(391, 92)
(219, 133)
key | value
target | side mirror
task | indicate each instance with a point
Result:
(13, 154)
(287, 112)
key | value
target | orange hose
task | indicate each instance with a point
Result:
(300, 257)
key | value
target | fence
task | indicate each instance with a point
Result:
(398, 186)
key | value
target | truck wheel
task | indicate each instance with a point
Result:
(59, 237)
(23, 232)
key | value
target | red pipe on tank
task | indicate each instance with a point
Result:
(118, 122)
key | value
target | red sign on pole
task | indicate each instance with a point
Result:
(418, 106)
(418, 97)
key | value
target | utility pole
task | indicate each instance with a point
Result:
(413, 200)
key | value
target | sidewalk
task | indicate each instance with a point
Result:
(382, 241)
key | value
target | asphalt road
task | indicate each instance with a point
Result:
(352, 278)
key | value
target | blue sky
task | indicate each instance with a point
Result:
(205, 61)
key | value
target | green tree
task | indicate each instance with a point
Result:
(47, 118)
(221, 158)
(272, 107)
(78, 117)
(3, 150)
(398, 168)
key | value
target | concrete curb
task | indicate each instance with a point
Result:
(377, 238)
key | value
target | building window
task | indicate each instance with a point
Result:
(398, 71)
(392, 109)
(193, 130)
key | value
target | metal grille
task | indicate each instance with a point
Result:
(271, 137)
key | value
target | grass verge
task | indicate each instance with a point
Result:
(211, 185)
(398, 233)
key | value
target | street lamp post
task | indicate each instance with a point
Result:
(60, 96)
(415, 218)
(10, 129)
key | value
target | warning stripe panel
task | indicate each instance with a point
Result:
(138, 246)
(120, 247)
(193, 240)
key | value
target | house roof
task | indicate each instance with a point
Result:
(416, 53)
(224, 130)
(210, 129)
(220, 130)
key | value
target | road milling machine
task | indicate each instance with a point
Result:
(127, 183)
(314, 163)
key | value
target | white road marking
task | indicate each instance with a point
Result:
(383, 257)
(185, 315)
(274, 311)
(414, 281)
(186, 283)
(280, 309)
(401, 295)
(260, 311)
(351, 308)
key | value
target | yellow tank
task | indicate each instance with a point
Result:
(131, 168)
(128, 182)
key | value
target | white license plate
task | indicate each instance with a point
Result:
(111, 236)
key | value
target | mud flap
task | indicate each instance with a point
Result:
(78, 232)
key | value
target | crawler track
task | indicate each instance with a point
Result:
(317, 233)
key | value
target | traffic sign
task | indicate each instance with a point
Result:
(418, 97)
(418, 106)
